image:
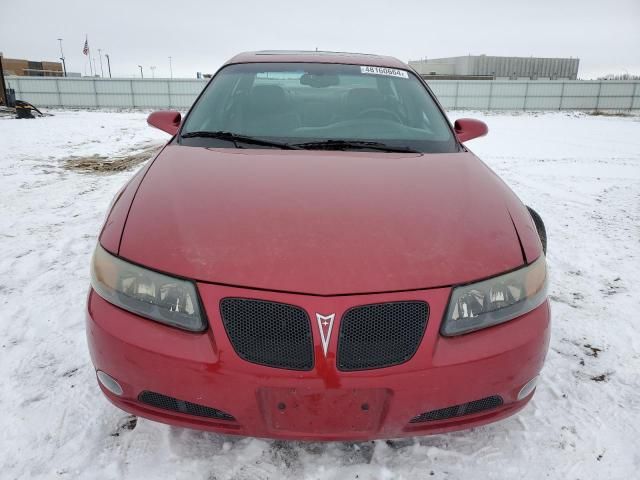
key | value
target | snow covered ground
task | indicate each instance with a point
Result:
(582, 174)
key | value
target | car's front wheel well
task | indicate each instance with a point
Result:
(542, 231)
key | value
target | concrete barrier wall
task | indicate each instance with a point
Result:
(453, 94)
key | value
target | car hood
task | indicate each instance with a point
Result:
(321, 222)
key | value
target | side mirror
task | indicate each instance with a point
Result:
(165, 120)
(468, 129)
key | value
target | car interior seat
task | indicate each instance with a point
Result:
(267, 111)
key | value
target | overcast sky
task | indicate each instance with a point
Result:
(200, 35)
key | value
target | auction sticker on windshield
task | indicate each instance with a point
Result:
(389, 72)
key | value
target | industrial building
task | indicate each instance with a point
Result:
(29, 68)
(502, 68)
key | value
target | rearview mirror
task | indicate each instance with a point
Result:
(319, 80)
(165, 120)
(468, 129)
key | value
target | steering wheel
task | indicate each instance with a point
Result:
(376, 111)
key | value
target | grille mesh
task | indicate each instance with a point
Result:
(169, 403)
(380, 335)
(268, 333)
(459, 410)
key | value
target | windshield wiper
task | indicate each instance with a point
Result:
(236, 138)
(353, 145)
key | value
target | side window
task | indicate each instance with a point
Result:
(214, 104)
(399, 103)
(419, 109)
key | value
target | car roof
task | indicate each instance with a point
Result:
(292, 56)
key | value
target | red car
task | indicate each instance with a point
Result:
(316, 255)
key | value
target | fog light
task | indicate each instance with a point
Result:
(528, 388)
(109, 383)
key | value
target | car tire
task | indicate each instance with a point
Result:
(542, 231)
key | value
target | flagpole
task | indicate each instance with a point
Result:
(86, 39)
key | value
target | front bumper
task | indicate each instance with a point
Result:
(323, 403)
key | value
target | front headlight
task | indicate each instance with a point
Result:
(150, 294)
(496, 300)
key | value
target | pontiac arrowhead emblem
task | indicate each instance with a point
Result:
(325, 324)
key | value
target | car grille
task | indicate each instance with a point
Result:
(476, 406)
(268, 333)
(169, 403)
(380, 335)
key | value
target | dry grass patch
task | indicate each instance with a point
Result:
(99, 163)
(604, 113)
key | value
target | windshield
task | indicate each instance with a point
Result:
(311, 104)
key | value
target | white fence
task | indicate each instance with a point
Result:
(537, 94)
(176, 94)
(454, 94)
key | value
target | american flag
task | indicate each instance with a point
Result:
(85, 50)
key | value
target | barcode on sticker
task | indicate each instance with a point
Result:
(389, 72)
